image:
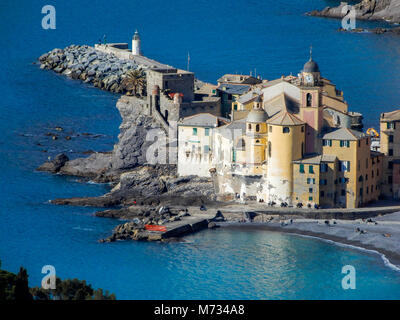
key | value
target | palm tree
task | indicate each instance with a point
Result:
(134, 82)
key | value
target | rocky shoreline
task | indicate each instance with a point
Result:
(378, 10)
(393, 31)
(102, 70)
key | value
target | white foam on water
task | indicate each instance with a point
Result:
(386, 261)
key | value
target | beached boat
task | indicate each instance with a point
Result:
(151, 227)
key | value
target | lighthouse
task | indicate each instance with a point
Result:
(136, 44)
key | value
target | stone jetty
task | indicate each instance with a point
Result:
(177, 223)
(103, 70)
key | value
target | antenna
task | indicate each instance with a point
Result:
(310, 52)
(188, 61)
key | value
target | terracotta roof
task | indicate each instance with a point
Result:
(344, 134)
(316, 158)
(203, 119)
(281, 102)
(257, 115)
(390, 116)
(285, 118)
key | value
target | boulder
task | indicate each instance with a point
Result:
(54, 165)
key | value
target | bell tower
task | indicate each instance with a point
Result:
(310, 104)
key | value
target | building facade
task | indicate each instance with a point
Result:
(292, 141)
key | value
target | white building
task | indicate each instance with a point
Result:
(136, 50)
(195, 144)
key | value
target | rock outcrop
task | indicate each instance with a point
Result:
(128, 153)
(150, 186)
(54, 165)
(388, 10)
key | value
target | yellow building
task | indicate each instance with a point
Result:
(390, 147)
(286, 142)
(358, 174)
(290, 142)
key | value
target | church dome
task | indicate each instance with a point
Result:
(257, 115)
(311, 66)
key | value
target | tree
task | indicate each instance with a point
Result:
(15, 287)
(134, 82)
(21, 285)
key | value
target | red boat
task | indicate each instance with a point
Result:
(151, 227)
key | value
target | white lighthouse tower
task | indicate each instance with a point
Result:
(136, 44)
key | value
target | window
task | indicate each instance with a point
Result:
(391, 139)
(361, 192)
(324, 167)
(241, 145)
(360, 179)
(286, 130)
(195, 131)
(310, 181)
(366, 177)
(249, 126)
(391, 125)
(310, 198)
(301, 169)
(323, 182)
(390, 165)
(327, 143)
(390, 152)
(390, 179)
(310, 190)
(310, 169)
(269, 149)
(206, 149)
(302, 129)
(270, 129)
(207, 132)
(309, 99)
(344, 143)
(343, 192)
(322, 194)
(344, 166)
(367, 189)
(257, 128)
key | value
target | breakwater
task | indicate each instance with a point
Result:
(103, 70)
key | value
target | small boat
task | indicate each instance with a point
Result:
(151, 227)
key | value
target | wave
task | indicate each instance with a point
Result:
(386, 261)
(83, 229)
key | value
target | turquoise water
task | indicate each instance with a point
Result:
(222, 36)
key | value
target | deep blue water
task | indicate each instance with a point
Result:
(222, 36)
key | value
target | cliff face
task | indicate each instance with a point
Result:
(388, 10)
(130, 150)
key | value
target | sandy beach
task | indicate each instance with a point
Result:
(380, 234)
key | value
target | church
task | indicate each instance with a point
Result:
(290, 142)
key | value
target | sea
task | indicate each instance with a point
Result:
(268, 38)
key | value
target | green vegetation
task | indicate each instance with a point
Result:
(15, 287)
(134, 82)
